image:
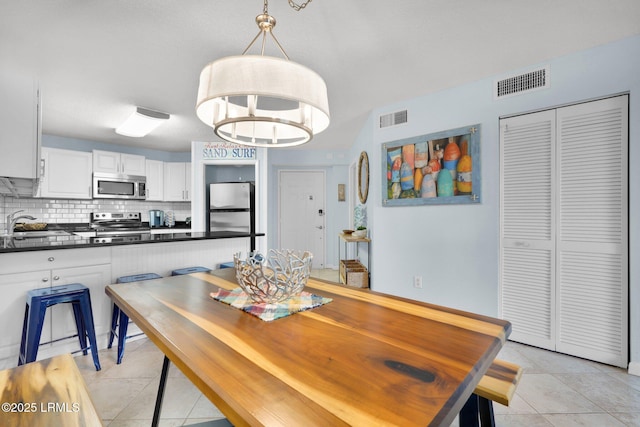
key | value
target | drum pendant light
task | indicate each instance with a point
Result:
(263, 101)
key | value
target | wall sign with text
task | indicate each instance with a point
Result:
(227, 151)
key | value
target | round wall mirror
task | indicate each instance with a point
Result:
(363, 177)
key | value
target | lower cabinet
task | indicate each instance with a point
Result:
(14, 288)
(95, 268)
(95, 277)
(90, 267)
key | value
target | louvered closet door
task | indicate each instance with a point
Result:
(564, 229)
(528, 227)
(592, 246)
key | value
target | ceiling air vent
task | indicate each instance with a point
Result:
(393, 119)
(521, 83)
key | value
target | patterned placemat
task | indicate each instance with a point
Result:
(239, 299)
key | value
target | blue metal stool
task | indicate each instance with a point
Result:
(38, 300)
(189, 270)
(227, 265)
(119, 319)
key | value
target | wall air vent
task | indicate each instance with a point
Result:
(521, 83)
(393, 119)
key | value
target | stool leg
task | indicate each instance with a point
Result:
(87, 314)
(23, 342)
(114, 323)
(468, 416)
(34, 331)
(82, 329)
(122, 334)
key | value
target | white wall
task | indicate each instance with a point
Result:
(65, 143)
(455, 248)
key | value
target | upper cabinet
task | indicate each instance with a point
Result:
(66, 174)
(155, 180)
(112, 162)
(20, 125)
(177, 182)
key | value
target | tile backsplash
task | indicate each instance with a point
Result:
(77, 211)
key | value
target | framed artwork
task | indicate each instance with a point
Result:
(433, 169)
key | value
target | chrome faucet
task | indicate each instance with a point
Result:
(13, 219)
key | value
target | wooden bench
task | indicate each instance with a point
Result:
(49, 392)
(497, 385)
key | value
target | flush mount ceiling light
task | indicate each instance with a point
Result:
(141, 122)
(263, 101)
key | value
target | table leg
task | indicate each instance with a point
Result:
(160, 396)
(468, 416)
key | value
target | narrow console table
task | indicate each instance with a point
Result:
(348, 238)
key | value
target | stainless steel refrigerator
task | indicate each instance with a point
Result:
(232, 208)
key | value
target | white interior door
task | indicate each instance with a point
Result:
(564, 229)
(301, 213)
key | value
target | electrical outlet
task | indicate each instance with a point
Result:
(417, 282)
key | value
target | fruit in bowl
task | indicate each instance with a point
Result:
(275, 278)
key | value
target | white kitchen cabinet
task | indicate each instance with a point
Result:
(177, 182)
(14, 288)
(20, 124)
(95, 277)
(66, 174)
(112, 162)
(155, 180)
(24, 271)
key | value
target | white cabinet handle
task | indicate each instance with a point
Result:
(45, 279)
(56, 277)
(51, 259)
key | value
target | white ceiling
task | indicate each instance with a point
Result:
(97, 59)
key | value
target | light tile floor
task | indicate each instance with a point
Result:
(555, 390)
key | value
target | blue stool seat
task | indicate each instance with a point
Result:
(120, 320)
(38, 300)
(138, 277)
(189, 270)
(227, 265)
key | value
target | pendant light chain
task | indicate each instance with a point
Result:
(294, 5)
(299, 7)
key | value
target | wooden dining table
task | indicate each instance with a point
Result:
(363, 359)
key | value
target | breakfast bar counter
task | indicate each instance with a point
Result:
(22, 243)
(41, 262)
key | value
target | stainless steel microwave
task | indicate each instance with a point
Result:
(116, 186)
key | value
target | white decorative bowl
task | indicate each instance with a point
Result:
(360, 233)
(281, 275)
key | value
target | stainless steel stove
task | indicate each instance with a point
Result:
(127, 238)
(118, 224)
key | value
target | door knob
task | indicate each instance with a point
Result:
(319, 227)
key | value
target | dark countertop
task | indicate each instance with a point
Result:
(78, 227)
(73, 241)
